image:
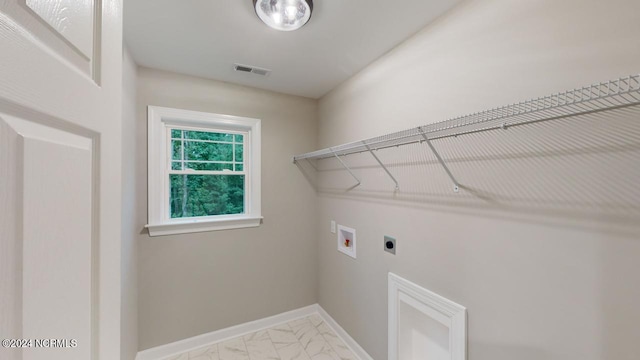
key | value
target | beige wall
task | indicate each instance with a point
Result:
(197, 283)
(130, 205)
(542, 247)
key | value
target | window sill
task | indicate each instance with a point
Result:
(195, 226)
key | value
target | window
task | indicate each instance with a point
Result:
(204, 171)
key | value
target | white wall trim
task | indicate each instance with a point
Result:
(193, 343)
(196, 342)
(349, 341)
(159, 121)
(445, 311)
(194, 226)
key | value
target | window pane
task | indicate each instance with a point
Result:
(239, 152)
(205, 151)
(208, 166)
(239, 167)
(176, 134)
(176, 165)
(206, 195)
(239, 138)
(176, 149)
(205, 135)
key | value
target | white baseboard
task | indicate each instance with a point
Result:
(351, 343)
(196, 342)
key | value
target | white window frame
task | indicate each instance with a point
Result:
(160, 121)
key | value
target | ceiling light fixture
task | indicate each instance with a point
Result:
(284, 15)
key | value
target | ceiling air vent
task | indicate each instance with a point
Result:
(251, 69)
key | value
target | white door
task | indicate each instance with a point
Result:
(60, 123)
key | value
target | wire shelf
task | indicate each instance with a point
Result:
(604, 96)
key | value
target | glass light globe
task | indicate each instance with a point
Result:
(284, 15)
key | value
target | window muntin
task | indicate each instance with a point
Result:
(207, 150)
(206, 175)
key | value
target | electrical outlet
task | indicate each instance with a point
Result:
(390, 244)
(333, 227)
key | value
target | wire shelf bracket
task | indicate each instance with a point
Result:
(384, 167)
(456, 185)
(347, 168)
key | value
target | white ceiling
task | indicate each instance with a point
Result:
(206, 37)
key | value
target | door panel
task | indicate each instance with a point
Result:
(68, 28)
(10, 237)
(60, 158)
(72, 19)
(54, 259)
(57, 245)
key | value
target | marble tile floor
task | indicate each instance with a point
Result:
(307, 338)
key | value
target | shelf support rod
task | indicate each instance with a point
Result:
(381, 164)
(310, 163)
(456, 185)
(345, 166)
